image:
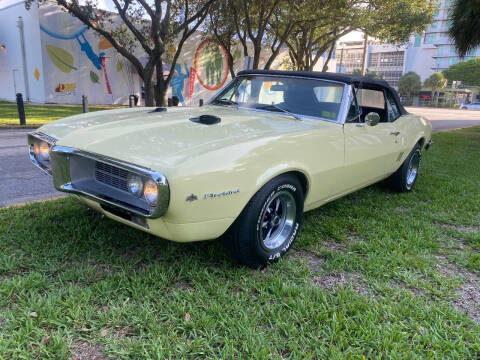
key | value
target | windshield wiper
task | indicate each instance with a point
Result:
(225, 102)
(281, 109)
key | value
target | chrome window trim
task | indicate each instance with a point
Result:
(62, 181)
(31, 137)
(341, 115)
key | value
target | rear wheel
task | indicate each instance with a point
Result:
(405, 177)
(268, 226)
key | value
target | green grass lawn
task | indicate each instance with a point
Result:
(37, 115)
(373, 275)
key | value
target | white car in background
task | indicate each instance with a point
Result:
(472, 106)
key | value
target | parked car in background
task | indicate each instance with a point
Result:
(245, 167)
(472, 106)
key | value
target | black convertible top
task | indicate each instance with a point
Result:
(345, 78)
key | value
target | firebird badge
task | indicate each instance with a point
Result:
(192, 198)
(225, 193)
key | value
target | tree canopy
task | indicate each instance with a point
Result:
(409, 84)
(436, 82)
(323, 22)
(151, 25)
(467, 72)
(465, 29)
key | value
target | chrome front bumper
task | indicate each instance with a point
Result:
(73, 172)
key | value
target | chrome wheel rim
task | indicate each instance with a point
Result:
(277, 220)
(413, 167)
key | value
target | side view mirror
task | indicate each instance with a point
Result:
(372, 119)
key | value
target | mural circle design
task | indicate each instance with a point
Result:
(211, 64)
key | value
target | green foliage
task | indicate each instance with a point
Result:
(467, 72)
(465, 29)
(436, 82)
(409, 84)
(322, 23)
(153, 27)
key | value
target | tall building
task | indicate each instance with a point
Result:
(437, 36)
(432, 51)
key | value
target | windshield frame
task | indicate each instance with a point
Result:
(344, 104)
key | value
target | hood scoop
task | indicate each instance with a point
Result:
(159, 109)
(206, 119)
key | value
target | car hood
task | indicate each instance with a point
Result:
(164, 139)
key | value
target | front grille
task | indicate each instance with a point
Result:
(111, 175)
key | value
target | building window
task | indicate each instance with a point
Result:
(429, 38)
(386, 59)
(453, 60)
(391, 77)
(418, 40)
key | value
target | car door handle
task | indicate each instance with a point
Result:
(395, 133)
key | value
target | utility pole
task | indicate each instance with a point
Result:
(24, 57)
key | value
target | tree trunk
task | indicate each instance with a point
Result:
(230, 64)
(364, 60)
(257, 49)
(161, 87)
(148, 86)
(329, 57)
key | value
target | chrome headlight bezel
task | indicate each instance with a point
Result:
(64, 180)
(41, 160)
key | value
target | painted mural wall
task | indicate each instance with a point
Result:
(67, 60)
(78, 62)
(12, 79)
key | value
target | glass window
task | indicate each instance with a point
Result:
(371, 98)
(308, 97)
(430, 38)
(418, 40)
(392, 107)
(354, 110)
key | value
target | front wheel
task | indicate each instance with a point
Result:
(405, 177)
(268, 226)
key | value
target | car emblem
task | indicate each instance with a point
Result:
(192, 198)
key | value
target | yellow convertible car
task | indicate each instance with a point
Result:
(268, 147)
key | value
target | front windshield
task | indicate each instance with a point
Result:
(300, 96)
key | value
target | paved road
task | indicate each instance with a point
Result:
(446, 119)
(20, 181)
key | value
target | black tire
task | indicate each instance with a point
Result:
(405, 177)
(251, 239)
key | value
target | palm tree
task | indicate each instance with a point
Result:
(465, 29)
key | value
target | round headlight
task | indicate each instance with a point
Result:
(135, 185)
(42, 151)
(150, 191)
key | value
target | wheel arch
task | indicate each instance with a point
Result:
(421, 142)
(300, 173)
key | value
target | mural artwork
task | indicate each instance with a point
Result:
(211, 64)
(178, 82)
(64, 60)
